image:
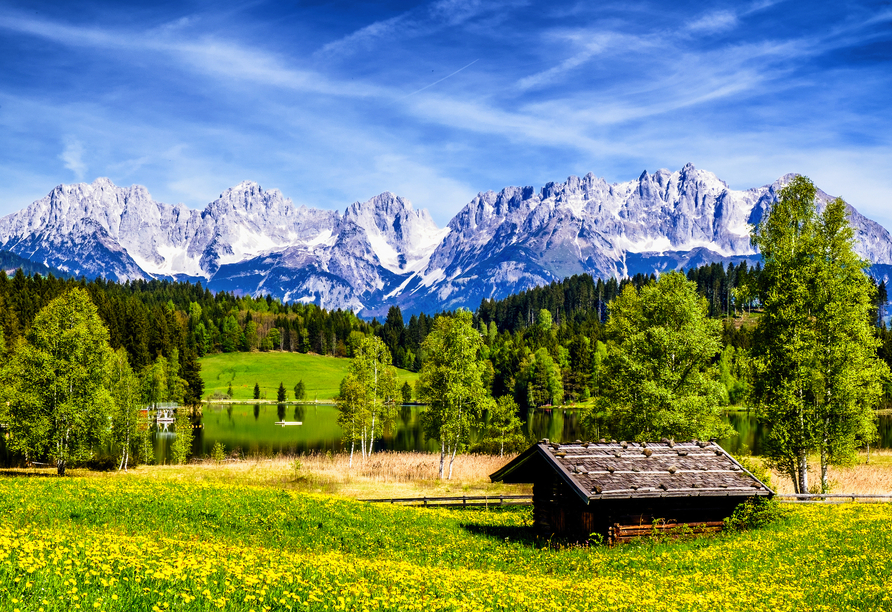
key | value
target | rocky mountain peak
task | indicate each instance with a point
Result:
(383, 251)
(401, 237)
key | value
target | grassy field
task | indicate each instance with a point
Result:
(321, 375)
(157, 539)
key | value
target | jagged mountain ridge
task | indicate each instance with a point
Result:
(383, 251)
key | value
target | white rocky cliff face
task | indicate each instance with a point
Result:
(383, 251)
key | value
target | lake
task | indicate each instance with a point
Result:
(251, 428)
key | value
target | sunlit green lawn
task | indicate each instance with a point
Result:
(321, 375)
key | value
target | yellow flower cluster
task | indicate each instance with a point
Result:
(822, 558)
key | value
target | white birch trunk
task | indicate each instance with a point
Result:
(451, 461)
(802, 469)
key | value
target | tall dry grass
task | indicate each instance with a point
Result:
(387, 467)
(412, 474)
(383, 475)
(873, 477)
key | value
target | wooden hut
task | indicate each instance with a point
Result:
(625, 489)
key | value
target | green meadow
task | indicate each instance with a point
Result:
(151, 541)
(321, 375)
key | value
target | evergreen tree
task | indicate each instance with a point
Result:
(191, 375)
(406, 391)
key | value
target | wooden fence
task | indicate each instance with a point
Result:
(466, 501)
(833, 498)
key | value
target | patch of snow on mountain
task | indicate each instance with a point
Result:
(176, 260)
(326, 237)
(385, 253)
(432, 277)
(249, 244)
(646, 245)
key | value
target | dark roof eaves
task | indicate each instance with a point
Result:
(563, 473)
(670, 493)
(513, 464)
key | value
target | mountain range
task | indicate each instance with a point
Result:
(383, 251)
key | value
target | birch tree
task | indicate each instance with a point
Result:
(369, 393)
(451, 382)
(504, 425)
(783, 352)
(816, 375)
(127, 395)
(348, 403)
(59, 402)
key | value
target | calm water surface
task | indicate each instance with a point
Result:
(251, 428)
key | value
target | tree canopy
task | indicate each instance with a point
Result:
(59, 399)
(816, 374)
(657, 379)
(368, 395)
(452, 382)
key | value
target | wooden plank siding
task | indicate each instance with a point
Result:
(616, 489)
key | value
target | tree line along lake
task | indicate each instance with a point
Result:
(251, 428)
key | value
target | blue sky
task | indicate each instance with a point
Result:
(333, 102)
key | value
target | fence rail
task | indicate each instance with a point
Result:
(464, 501)
(833, 498)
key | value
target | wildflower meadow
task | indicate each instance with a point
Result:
(133, 543)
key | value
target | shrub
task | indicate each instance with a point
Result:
(753, 513)
(218, 453)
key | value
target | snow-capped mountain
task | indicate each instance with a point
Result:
(384, 252)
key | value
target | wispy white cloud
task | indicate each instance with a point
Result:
(587, 45)
(207, 55)
(717, 21)
(73, 158)
(419, 21)
(365, 37)
(558, 88)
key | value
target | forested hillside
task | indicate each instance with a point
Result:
(548, 339)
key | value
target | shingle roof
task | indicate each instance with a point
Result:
(614, 470)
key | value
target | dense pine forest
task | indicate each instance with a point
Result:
(544, 345)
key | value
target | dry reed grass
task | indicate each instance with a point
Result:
(402, 466)
(383, 475)
(862, 478)
(412, 474)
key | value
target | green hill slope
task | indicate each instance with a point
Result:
(321, 375)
